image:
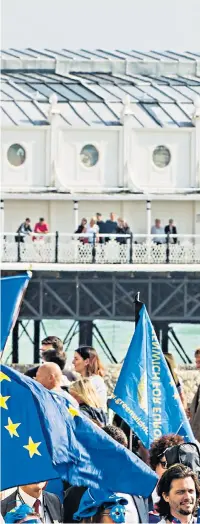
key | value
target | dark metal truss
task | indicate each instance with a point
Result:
(80, 296)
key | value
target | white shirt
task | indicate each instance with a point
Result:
(93, 229)
(101, 389)
(155, 496)
(131, 514)
(27, 499)
(158, 231)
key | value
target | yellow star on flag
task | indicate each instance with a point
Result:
(12, 428)
(4, 377)
(32, 447)
(73, 411)
(3, 401)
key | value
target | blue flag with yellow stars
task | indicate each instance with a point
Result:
(43, 437)
(12, 290)
(145, 395)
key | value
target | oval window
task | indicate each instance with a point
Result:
(161, 156)
(89, 155)
(16, 155)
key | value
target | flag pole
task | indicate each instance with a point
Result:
(138, 306)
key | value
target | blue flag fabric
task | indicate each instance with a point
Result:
(43, 437)
(12, 289)
(145, 395)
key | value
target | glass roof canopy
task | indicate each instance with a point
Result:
(96, 98)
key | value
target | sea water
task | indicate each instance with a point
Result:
(117, 334)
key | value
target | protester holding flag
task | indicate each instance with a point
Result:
(51, 439)
(49, 375)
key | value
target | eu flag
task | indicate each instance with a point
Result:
(145, 395)
(43, 438)
(12, 290)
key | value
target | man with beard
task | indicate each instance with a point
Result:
(179, 493)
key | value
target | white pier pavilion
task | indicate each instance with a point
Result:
(98, 131)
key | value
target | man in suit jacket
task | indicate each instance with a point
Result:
(46, 504)
(171, 229)
(137, 507)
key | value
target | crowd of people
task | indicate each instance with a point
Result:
(96, 225)
(177, 494)
(120, 227)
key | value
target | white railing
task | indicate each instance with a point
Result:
(102, 249)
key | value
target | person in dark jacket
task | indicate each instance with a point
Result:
(89, 403)
(122, 229)
(171, 229)
(96, 414)
(102, 227)
(49, 505)
(23, 230)
(82, 226)
(110, 225)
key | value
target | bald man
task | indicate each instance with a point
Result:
(50, 376)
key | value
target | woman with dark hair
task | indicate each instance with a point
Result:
(87, 362)
(157, 451)
(82, 226)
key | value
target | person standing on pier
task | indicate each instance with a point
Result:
(170, 229)
(41, 227)
(23, 230)
(157, 230)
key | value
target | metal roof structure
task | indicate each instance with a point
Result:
(91, 87)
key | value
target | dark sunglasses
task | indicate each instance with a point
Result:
(163, 464)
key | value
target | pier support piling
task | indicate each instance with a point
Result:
(85, 333)
(36, 341)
